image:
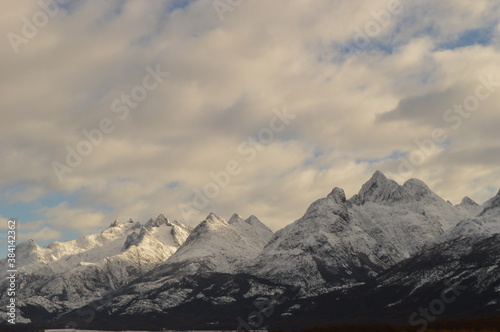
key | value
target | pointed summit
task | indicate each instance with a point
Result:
(235, 218)
(252, 228)
(29, 253)
(379, 189)
(251, 222)
(134, 239)
(213, 218)
(492, 206)
(29, 245)
(115, 223)
(216, 245)
(338, 195)
(160, 220)
(162, 217)
(211, 223)
(417, 188)
(254, 221)
(379, 175)
(468, 201)
(379, 178)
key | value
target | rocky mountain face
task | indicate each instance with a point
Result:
(217, 245)
(376, 257)
(445, 281)
(468, 207)
(68, 275)
(485, 224)
(339, 242)
(214, 246)
(325, 248)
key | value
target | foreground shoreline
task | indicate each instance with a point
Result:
(478, 325)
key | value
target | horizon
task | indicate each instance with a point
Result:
(143, 222)
(130, 109)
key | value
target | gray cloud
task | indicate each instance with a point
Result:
(225, 80)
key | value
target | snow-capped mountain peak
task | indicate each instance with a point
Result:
(252, 221)
(135, 239)
(469, 208)
(492, 206)
(380, 226)
(214, 219)
(160, 220)
(483, 220)
(337, 245)
(219, 243)
(96, 264)
(338, 195)
(235, 218)
(467, 201)
(115, 223)
(28, 246)
(30, 253)
(379, 189)
(418, 189)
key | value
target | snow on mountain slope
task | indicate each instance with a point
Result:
(337, 246)
(461, 278)
(412, 198)
(66, 275)
(340, 242)
(463, 273)
(322, 249)
(30, 256)
(485, 224)
(492, 207)
(469, 207)
(217, 246)
(253, 229)
(214, 246)
(480, 227)
(471, 262)
(407, 216)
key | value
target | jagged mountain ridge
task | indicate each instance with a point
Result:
(214, 246)
(469, 207)
(218, 245)
(337, 247)
(465, 272)
(341, 242)
(67, 275)
(445, 281)
(485, 224)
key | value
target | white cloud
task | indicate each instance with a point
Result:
(43, 235)
(63, 216)
(4, 224)
(225, 79)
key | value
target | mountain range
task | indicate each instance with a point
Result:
(390, 254)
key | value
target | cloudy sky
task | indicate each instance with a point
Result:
(128, 109)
